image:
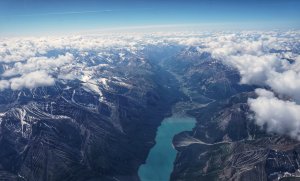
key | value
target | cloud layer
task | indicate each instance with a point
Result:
(34, 72)
(39, 63)
(267, 59)
(278, 116)
(24, 61)
(31, 80)
(271, 60)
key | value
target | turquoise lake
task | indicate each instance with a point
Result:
(159, 164)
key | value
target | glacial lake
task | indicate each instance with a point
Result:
(159, 164)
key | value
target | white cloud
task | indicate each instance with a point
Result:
(264, 93)
(255, 69)
(278, 116)
(249, 52)
(4, 84)
(286, 83)
(34, 72)
(32, 80)
(39, 63)
(260, 59)
(16, 50)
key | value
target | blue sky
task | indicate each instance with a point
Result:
(23, 17)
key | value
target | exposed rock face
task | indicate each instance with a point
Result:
(77, 130)
(102, 125)
(226, 144)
